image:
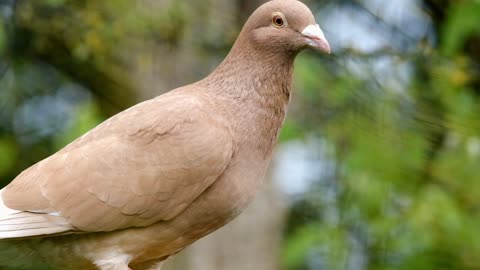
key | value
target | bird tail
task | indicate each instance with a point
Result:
(16, 224)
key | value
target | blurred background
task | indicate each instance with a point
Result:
(377, 166)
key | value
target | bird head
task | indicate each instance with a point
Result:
(285, 25)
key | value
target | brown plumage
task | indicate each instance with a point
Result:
(153, 179)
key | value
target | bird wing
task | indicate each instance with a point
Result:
(145, 165)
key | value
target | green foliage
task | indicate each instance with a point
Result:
(330, 243)
(290, 131)
(299, 244)
(8, 155)
(3, 38)
(461, 24)
(406, 182)
(87, 117)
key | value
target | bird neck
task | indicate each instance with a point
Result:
(253, 86)
(254, 73)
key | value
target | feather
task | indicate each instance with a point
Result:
(16, 224)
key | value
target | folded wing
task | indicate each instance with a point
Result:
(143, 166)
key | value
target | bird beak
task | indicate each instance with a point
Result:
(316, 38)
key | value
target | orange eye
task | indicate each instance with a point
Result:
(278, 21)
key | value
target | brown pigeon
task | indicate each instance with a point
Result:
(153, 179)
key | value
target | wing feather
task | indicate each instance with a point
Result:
(142, 166)
(15, 224)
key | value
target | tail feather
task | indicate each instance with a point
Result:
(19, 224)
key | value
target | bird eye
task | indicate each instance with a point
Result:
(278, 21)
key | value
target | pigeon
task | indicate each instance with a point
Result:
(151, 180)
